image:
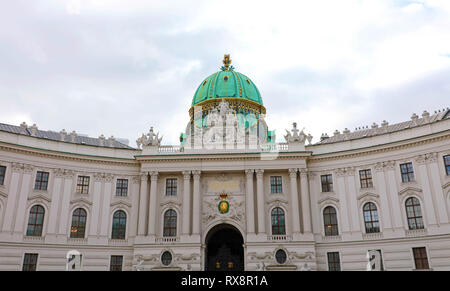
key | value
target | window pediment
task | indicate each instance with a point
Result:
(81, 200)
(328, 198)
(121, 203)
(368, 194)
(39, 196)
(410, 189)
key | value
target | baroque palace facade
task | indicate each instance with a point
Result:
(228, 197)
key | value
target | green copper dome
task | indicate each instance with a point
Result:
(227, 84)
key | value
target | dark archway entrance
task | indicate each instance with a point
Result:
(224, 249)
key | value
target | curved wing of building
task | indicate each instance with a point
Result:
(376, 198)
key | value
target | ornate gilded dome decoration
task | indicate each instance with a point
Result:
(236, 88)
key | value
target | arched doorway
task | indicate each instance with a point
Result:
(224, 249)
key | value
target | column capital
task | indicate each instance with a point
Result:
(196, 174)
(420, 159)
(350, 171)
(135, 179)
(379, 167)
(259, 173)
(390, 165)
(154, 175)
(303, 172)
(186, 175)
(432, 157)
(143, 176)
(249, 172)
(293, 172)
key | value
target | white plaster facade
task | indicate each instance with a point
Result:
(244, 174)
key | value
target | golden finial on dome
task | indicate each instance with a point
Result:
(226, 62)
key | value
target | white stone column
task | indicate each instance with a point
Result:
(249, 203)
(196, 203)
(260, 201)
(436, 182)
(13, 194)
(133, 191)
(106, 213)
(294, 201)
(385, 216)
(186, 202)
(94, 228)
(430, 212)
(23, 197)
(152, 206)
(143, 198)
(393, 193)
(343, 201)
(65, 203)
(306, 203)
(58, 177)
(315, 192)
(352, 200)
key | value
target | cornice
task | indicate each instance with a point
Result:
(46, 153)
(381, 148)
(301, 155)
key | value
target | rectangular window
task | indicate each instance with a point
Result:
(30, 262)
(116, 263)
(375, 260)
(420, 258)
(334, 263)
(275, 184)
(447, 164)
(407, 172)
(122, 187)
(327, 183)
(171, 186)
(2, 174)
(365, 177)
(41, 181)
(83, 184)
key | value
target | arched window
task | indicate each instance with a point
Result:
(414, 213)
(170, 223)
(36, 221)
(119, 225)
(370, 214)
(78, 228)
(330, 221)
(278, 224)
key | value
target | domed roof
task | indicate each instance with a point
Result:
(227, 84)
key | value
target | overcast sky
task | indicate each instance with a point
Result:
(118, 67)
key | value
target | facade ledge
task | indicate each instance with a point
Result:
(167, 240)
(416, 232)
(279, 238)
(331, 237)
(117, 242)
(77, 241)
(370, 236)
(30, 238)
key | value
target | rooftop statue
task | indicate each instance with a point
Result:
(296, 136)
(149, 139)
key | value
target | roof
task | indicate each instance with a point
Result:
(386, 128)
(227, 84)
(56, 136)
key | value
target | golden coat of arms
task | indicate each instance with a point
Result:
(223, 205)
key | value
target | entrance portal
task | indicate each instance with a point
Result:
(224, 249)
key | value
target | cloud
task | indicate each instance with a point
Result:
(118, 67)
